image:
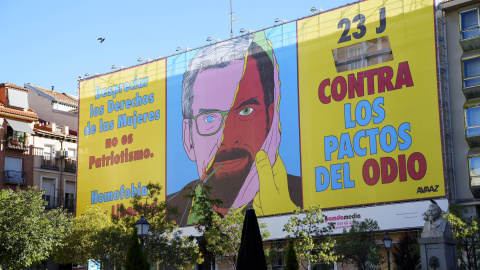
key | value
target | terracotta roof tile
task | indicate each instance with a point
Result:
(28, 113)
(11, 85)
(61, 97)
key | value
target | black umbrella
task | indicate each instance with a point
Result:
(250, 255)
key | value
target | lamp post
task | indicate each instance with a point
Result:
(387, 241)
(142, 226)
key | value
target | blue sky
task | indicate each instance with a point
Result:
(52, 43)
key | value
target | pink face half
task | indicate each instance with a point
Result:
(214, 90)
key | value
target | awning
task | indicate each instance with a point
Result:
(20, 126)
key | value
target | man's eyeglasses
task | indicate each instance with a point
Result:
(209, 123)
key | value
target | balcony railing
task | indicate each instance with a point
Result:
(69, 204)
(50, 162)
(14, 177)
(52, 201)
(16, 142)
(70, 165)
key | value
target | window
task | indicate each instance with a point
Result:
(49, 152)
(13, 171)
(69, 195)
(72, 153)
(472, 121)
(471, 72)
(469, 24)
(474, 164)
(363, 54)
(49, 195)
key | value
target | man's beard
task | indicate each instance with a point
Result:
(227, 184)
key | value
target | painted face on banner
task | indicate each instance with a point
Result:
(214, 91)
(246, 127)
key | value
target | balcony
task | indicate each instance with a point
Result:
(16, 142)
(14, 177)
(50, 162)
(69, 204)
(70, 165)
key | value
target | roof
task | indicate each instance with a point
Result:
(14, 86)
(58, 96)
(449, 5)
(28, 113)
(47, 131)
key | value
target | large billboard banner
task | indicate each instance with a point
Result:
(337, 109)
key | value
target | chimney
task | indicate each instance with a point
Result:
(66, 130)
(54, 127)
(53, 87)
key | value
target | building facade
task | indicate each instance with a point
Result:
(459, 57)
(16, 153)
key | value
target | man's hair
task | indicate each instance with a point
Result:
(436, 206)
(221, 55)
(213, 56)
(266, 71)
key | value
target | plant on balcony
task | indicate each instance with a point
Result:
(16, 141)
(23, 139)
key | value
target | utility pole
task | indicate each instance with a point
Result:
(231, 20)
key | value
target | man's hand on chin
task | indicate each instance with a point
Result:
(273, 196)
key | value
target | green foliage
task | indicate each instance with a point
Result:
(406, 254)
(274, 254)
(358, 245)
(312, 241)
(164, 243)
(291, 261)
(80, 245)
(204, 215)
(27, 233)
(225, 234)
(111, 244)
(136, 259)
(465, 231)
(106, 238)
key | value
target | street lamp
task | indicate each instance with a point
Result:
(142, 226)
(387, 241)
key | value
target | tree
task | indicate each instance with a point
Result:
(80, 245)
(203, 214)
(311, 239)
(27, 232)
(111, 244)
(136, 259)
(164, 243)
(406, 254)
(358, 246)
(291, 261)
(465, 231)
(225, 235)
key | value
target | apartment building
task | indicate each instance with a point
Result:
(16, 129)
(55, 145)
(460, 55)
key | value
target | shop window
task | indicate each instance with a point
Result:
(471, 72)
(469, 24)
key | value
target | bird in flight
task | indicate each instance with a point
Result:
(101, 39)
